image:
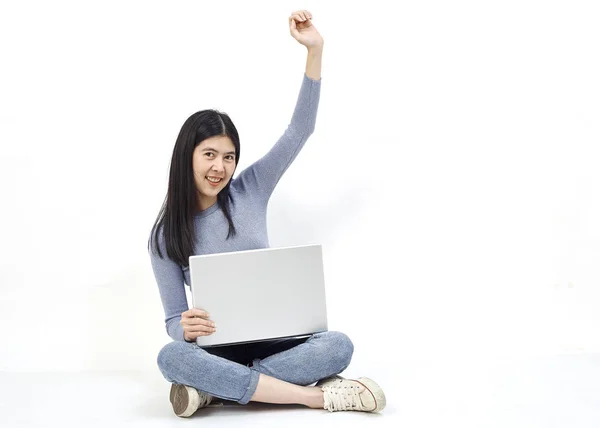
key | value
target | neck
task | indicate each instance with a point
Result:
(206, 202)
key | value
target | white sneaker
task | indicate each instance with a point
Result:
(362, 394)
(186, 400)
(329, 380)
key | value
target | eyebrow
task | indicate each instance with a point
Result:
(207, 149)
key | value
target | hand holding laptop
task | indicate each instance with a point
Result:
(196, 323)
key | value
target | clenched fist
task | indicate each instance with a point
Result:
(303, 30)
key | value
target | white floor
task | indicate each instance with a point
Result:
(558, 391)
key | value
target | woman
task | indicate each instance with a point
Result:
(206, 211)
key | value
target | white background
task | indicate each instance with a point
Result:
(452, 177)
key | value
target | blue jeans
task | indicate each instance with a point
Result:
(232, 372)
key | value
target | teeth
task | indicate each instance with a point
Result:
(213, 180)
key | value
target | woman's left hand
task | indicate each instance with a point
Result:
(303, 30)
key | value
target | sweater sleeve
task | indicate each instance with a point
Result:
(169, 278)
(262, 176)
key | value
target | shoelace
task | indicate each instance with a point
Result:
(205, 399)
(338, 397)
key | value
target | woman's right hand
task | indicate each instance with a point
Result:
(196, 323)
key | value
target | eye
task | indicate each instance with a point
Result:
(229, 157)
(209, 154)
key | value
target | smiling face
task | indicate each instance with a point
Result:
(214, 164)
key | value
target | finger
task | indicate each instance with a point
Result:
(304, 15)
(199, 313)
(200, 321)
(193, 332)
(199, 328)
(196, 320)
(293, 28)
(194, 336)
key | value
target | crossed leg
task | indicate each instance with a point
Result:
(278, 378)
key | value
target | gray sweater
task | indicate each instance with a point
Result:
(250, 192)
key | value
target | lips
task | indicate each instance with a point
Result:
(215, 181)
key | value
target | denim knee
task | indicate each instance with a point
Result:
(169, 353)
(342, 347)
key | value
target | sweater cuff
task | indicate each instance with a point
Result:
(311, 79)
(175, 331)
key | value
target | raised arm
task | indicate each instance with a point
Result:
(303, 30)
(262, 176)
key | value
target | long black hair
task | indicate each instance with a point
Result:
(176, 216)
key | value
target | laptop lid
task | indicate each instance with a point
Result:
(260, 294)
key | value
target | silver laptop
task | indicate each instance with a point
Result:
(261, 294)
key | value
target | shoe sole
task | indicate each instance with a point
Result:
(184, 402)
(376, 391)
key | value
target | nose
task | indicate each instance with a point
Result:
(217, 165)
